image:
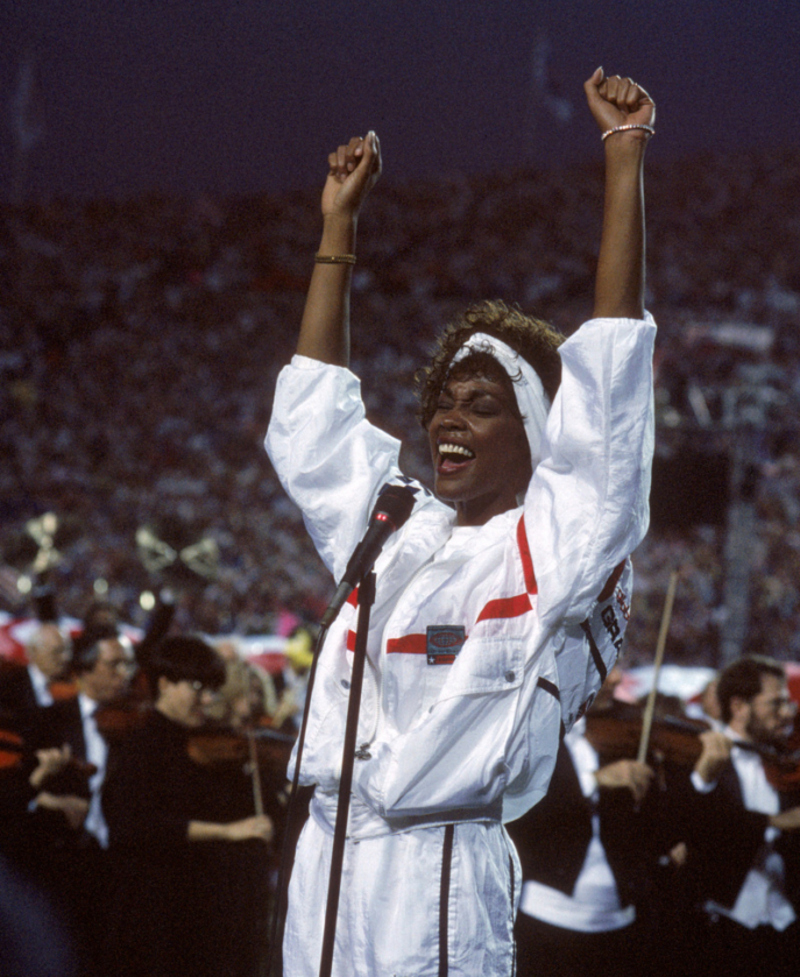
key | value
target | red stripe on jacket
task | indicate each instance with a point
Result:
(525, 556)
(502, 607)
(505, 607)
(417, 644)
(409, 644)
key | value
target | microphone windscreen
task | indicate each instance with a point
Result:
(396, 503)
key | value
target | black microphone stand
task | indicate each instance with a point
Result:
(366, 598)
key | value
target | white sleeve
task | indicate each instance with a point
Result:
(586, 509)
(330, 460)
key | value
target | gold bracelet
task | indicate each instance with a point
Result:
(334, 259)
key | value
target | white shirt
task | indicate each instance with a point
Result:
(41, 686)
(594, 906)
(761, 900)
(97, 754)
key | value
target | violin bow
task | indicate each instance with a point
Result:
(650, 708)
(255, 773)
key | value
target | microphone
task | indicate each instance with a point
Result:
(391, 511)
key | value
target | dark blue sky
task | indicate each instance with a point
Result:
(248, 95)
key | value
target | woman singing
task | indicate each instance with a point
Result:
(501, 603)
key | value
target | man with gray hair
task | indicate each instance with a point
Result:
(25, 689)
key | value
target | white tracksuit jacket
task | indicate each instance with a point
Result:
(451, 745)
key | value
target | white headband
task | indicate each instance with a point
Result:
(532, 401)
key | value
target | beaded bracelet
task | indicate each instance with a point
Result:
(632, 125)
(335, 259)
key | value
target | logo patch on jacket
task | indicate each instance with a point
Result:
(444, 641)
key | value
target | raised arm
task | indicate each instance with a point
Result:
(325, 328)
(619, 286)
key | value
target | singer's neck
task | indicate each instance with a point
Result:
(477, 512)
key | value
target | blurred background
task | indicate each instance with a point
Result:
(160, 168)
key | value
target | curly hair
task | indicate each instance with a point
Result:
(535, 340)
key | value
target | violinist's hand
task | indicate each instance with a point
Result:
(353, 170)
(259, 827)
(626, 773)
(73, 808)
(715, 754)
(787, 820)
(619, 101)
(50, 762)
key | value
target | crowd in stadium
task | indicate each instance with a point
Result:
(139, 345)
(140, 340)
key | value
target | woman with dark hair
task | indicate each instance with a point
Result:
(501, 603)
(175, 833)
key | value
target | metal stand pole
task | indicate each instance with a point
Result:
(366, 598)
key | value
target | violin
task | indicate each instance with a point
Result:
(15, 754)
(620, 733)
(212, 745)
(261, 751)
(12, 750)
(784, 772)
(209, 745)
(615, 734)
(118, 719)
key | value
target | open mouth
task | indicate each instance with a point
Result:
(452, 456)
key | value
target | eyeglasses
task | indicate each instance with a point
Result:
(119, 665)
(781, 704)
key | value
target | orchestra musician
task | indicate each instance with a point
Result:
(181, 840)
(744, 844)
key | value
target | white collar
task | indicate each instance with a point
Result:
(87, 705)
(41, 685)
